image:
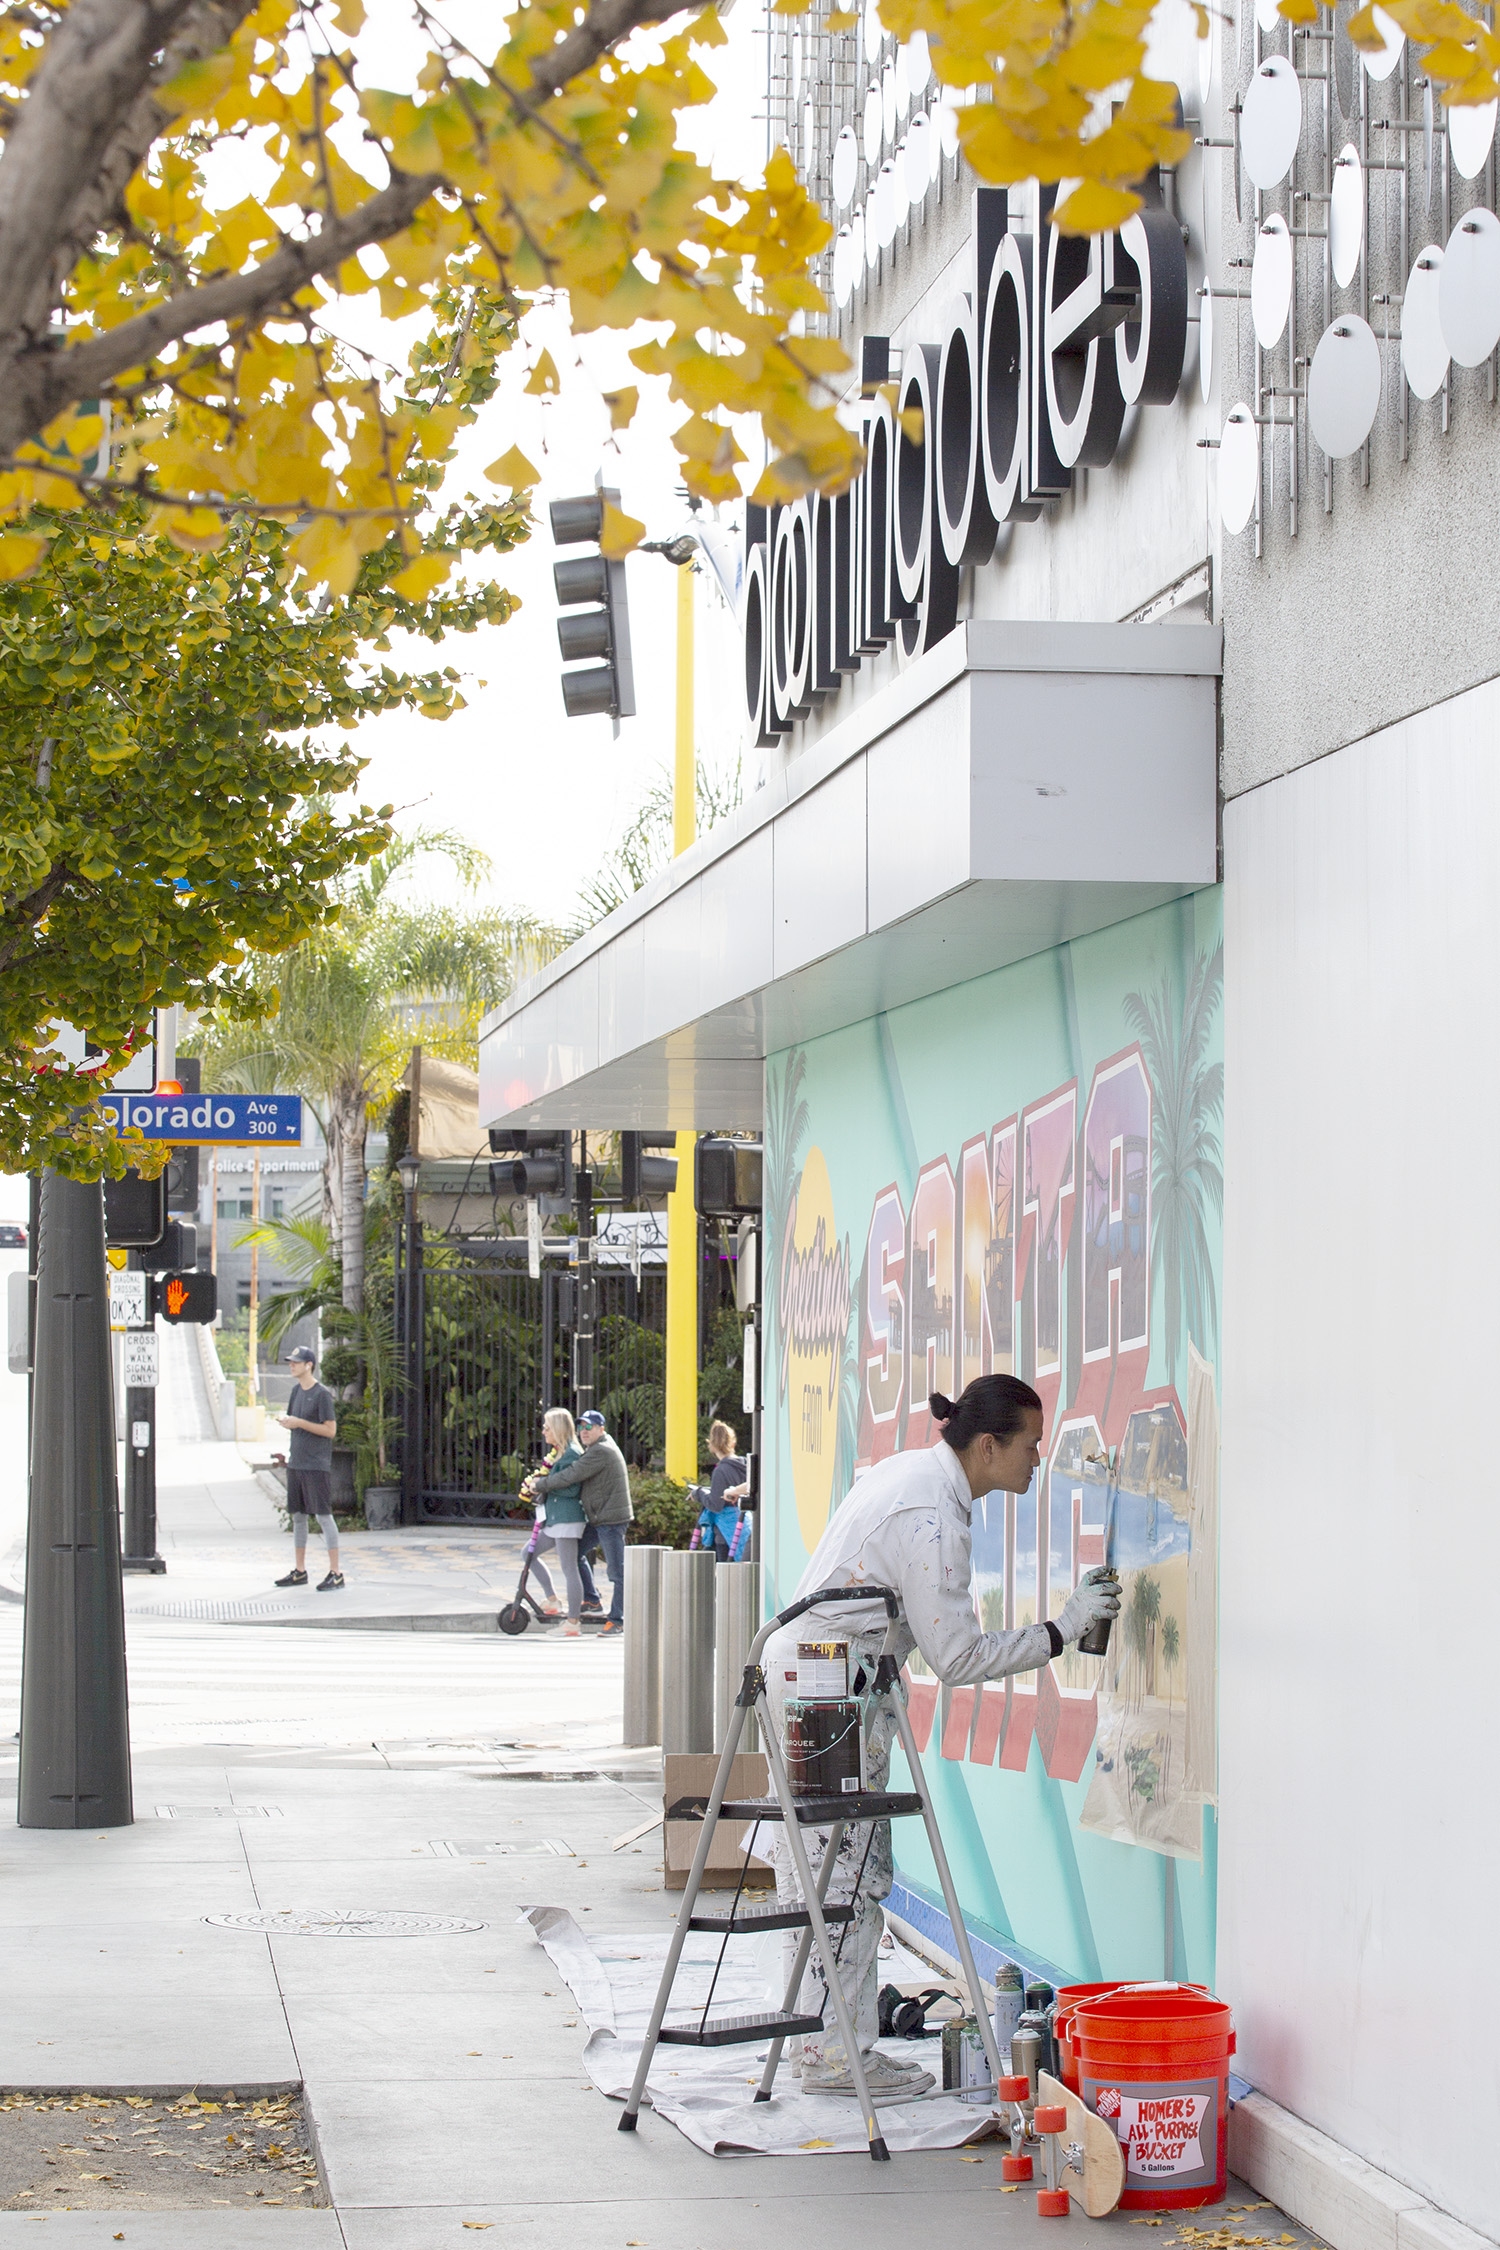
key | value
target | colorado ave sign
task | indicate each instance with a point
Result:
(1052, 339)
(209, 1120)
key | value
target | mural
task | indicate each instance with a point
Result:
(945, 1201)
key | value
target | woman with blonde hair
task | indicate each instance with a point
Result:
(560, 1514)
(720, 1519)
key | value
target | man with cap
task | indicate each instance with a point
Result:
(603, 1483)
(311, 1416)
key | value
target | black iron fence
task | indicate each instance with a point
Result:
(488, 1347)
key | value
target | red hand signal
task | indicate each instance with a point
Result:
(176, 1297)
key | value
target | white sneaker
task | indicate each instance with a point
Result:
(888, 2080)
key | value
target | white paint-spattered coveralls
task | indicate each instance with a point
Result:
(905, 1525)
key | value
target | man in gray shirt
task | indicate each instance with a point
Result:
(312, 1418)
(603, 1483)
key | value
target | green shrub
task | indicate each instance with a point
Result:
(664, 1515)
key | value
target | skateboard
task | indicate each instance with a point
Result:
(1090, 2159)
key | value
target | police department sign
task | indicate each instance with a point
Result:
(1051, 340)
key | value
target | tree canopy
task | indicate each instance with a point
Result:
(167, 810)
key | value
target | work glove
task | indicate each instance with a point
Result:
(1096, 1595)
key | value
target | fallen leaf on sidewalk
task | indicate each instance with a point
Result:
(479, 2226)
(971, 2160)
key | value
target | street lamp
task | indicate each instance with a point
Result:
(409, 1166)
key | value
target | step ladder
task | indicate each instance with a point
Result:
(814, 1918)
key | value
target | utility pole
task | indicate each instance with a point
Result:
(75, 1727)
(682, 1216)
(586, 1307)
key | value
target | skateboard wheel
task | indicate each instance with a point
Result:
(1014, 2089)
(1049, 2117)
(1052, 2203)
(1015, 2167)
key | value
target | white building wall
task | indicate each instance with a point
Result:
(1360, 1836)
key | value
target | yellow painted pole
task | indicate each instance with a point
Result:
(682, 1219)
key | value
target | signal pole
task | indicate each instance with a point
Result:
(682, 1215)
(75, 1727)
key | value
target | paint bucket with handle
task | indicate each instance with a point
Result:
(1153, 2061)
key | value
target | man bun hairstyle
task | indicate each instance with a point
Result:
(993, 1405)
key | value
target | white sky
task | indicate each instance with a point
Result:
(543, 794)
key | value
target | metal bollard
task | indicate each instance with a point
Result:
(642, 1646)
(687, 1651)
(736, 1622)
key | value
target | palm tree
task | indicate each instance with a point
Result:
(1171, 1648)
(1187, 1173)
(346, 1004)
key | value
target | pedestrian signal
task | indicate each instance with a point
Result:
(189, 1297)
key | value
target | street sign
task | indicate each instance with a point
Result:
(127, 1300)
(209, 1120)
(139, 1361)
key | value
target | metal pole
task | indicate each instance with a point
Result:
(643, 1646)
(140, 1483)
(584, 1310)
(75, 1725)
(736, 1622)
(687, 1651)
(682, 1217)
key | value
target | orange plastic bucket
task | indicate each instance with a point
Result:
(1153, 2060)
(1068, 1997)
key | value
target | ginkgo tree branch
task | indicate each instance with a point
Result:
(50, 381)
(604, 25)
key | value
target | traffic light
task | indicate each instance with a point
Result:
(188, 1297)
(177, 1251)
(642, 1175)
(593, 587)
(726, 1178)
(135, 1211)
(182, 1180)
(536, 1164)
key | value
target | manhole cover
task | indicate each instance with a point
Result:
(543, 1847)
(210, 1613)
(321, 1922)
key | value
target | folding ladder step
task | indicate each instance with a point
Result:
(765, 1918)
(812, 1812)
(736, 2031)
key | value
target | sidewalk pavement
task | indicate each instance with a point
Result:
(452, 1775)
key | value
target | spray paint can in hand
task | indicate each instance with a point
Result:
(1095, 1642)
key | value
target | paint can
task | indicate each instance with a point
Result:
(966, 2068)
(824, 1747)
(1009, 2002)
(823, 1671)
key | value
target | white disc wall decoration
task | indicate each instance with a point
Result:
(1469, 290)
(887, 217)
(1424, 352)
(1271, 122)
(843, 265)
(945, 123)
(888, 102)
(874, 32)
(1205, 347)
(874, 125)
(845, 168)
(1382, 64)
(918, 64)
(1346, 215)
(1266, 14)
(903, 81)
(921, 152)
(1343, 386)
(1471, 133)
(1239, 468)
(1271, 281)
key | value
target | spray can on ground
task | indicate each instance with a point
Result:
(1009, 2002)
(966, 2069)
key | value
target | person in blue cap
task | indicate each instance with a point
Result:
(603, 1485)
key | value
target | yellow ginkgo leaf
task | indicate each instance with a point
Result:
(622, 406)
(513, 469)
(1094, 207)
(544, 381)
(20, 554)
(197, 531)
(418, 579)
(913, 425)
(349, 15)
(841, 19)
(619, 532)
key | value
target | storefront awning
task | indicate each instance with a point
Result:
(1020, 785)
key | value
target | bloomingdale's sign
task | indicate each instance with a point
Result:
(1053, 338)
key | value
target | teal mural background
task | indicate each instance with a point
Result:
(881, 1101)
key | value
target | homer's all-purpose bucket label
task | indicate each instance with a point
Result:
(1169, 2131)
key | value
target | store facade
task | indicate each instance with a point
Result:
(1100, 955)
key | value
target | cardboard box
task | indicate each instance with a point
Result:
(691, 1774)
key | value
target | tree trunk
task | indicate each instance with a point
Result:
(352, 1216)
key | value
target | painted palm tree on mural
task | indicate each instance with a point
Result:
(1187, 1169)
